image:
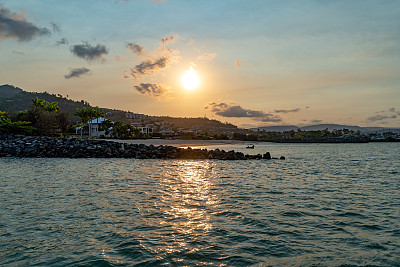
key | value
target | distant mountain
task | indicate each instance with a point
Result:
(330, 127)
(283, 128)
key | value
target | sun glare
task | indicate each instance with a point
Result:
(190, 80)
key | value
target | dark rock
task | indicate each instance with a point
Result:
(267, 156)
(48, 147)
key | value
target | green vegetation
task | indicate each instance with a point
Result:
(86, 115)
(43, 118)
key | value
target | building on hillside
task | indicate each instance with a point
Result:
(148, 129)
(167, 132)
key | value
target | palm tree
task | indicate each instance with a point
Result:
(38, 103)
(83, 116)
(87, 115)
(52, 107)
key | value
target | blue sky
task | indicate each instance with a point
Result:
(260, 62)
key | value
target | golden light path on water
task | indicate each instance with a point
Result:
(187, 194)
(182, 197)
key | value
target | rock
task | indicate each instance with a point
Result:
(282, 157)
(267, 156)
(50, 147)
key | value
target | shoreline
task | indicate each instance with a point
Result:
(182, 143)
(54, 147)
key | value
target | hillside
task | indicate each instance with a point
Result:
(203, 124)
(14, 99)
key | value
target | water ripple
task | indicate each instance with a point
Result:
(325, 205)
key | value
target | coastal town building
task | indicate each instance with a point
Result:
(93, 128)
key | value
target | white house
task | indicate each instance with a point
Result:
(148, 129)
(94, 130)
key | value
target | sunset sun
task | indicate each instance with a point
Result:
(190, 80)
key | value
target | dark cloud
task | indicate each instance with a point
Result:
(15, 26)
(236, 111)
(148, 67)
(56, 27)
(151, 89)
(381, 117)
(135, 48)
(76, 73)
(89, 52)
(287, 110)
(62, 41)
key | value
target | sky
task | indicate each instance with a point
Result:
(260, 62)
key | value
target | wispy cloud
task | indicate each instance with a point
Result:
(206, 57)
(153, 63)
(286, 110)
(62, 41)
(89, 52)
(239, 63)
(77, 72)
(56, 27)
(388, 114)
(151, 89)
(135, 48)
(317, 121)
(18, 52)
(15, 26)
(236, 111)
(148, 67)
(381, 117)
(168, 40)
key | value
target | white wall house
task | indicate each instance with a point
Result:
(94, 130)
(148, 129)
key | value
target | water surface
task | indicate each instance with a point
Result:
(326, 204)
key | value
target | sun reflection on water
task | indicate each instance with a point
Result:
(185, 201)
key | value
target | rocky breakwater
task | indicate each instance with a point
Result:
(51, 147)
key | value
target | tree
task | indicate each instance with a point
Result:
(18, 127)
(86, 115)
(82, 114)
(46, 118)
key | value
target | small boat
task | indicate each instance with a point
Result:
(250, 146)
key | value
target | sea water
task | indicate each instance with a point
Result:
(326, 204)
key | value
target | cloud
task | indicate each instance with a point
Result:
(167, 40)
(381, 117)
(239, 63)
(316, 121)
(148, 67)
(56, 27)
(286, 110)
(135, 48)
(18, 52)
(205, 57)
(236, 111)
(62, 41)
(76, 73)
(15, 26)
(89, 52)
(151, 89)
